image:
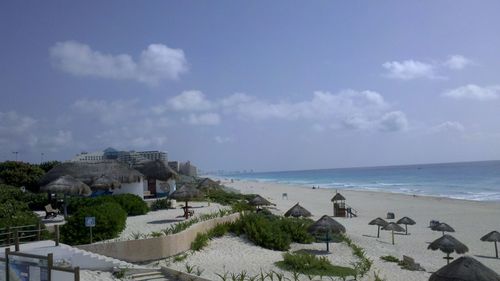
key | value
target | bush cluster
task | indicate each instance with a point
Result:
(132, 204)
(161, 204)
(273, 232)
(110, 221)
(15, 207)
(200, 242)
(311, 265)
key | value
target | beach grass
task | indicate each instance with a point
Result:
(309, 264)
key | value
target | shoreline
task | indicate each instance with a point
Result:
(226, 181)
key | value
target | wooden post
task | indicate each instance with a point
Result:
(16, 240)
(378, 231)
(393, 237)
(77, 273)
(50, 263)
(56, 228)
(38, 235)
(7, 251)
(496, 249)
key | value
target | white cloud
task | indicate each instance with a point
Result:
(204, 119)
(457, 62)
(448, 126)
(189, 101)
(474, 92)
(12, 123)
(409, 69)
(393, 121)
(156, 63)
(107, 112)
(222, 140)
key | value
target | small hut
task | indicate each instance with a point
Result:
(393, 227)
(259, 201)
(298, 211)
(379, 222)
(160, 179)
(339, 207)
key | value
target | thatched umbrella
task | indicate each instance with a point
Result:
(186, 193)
(259, 201)
(465, 269)
(406, 221)
(104, 182)
(493, 236)
(155, 169)
(67, 185)
(448, 244)
(326, 225)
(298, 211)
(444, 227)
(393, 227)
(379, 222)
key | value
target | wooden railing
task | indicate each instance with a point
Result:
(20, 234)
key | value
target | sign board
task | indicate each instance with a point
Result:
(27, 268)
(90, 221)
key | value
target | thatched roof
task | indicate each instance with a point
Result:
(208, 183)
(88, 172)
(105, 182)
(378, 221)
(338, 197)
(298, 211)
(186, 193)
(406, 220)
(326, 224)
(465, 269)
(259, 201)
(393, 226)
(443, 227)
(67, 185)
(448, 244)
(493, 236)
(155, 169)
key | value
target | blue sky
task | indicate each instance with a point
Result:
(263, 85)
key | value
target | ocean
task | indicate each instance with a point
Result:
(478, 181)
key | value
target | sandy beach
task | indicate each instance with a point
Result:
(470, 219)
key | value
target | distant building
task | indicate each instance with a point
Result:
(88, 157)
(188, 169)
(174, 165)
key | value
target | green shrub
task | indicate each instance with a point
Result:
(14, 211)
(311, 265)
(161, 204)
(219, 230)
(389, 259)
(263, 230)
(110, 221)
(199, 242)
(297, 228)
(132, 204)
(227, 198)
(19, 174)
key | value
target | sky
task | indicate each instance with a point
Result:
(262, 85)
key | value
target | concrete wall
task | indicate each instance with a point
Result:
(156, 248)
(132, 188)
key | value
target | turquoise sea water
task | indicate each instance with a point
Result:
(468, 180)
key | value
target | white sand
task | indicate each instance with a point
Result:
(471, 221)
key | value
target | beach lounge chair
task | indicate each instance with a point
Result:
(50, 212)
(410, 264)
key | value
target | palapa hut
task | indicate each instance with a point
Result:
(186, 193)
(393, 227)
(259, 201)
(131, 180)
(67, 185)
(406, 221)
(326, 226)
(443, 227)
(379, 222)
(465, 269)
(160, 179)
(339, 208)
(448, 244)
(298, 211)
(105, 183)
(207, 184)
(493, 236)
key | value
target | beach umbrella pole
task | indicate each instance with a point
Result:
(393, 237)
(496, 249)
(406, 228)
(65, 207)
(378, 231)
(327, 242)
(447, 258)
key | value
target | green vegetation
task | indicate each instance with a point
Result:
(110, 221)
(132, 204)
(48, 165)
(273, 232)
(180, 257)
(199, 242)
(161, 204)
(363, 265)
(15, 206)
(389, 259)
(21, 174)
(178, 227)
(311, 265)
